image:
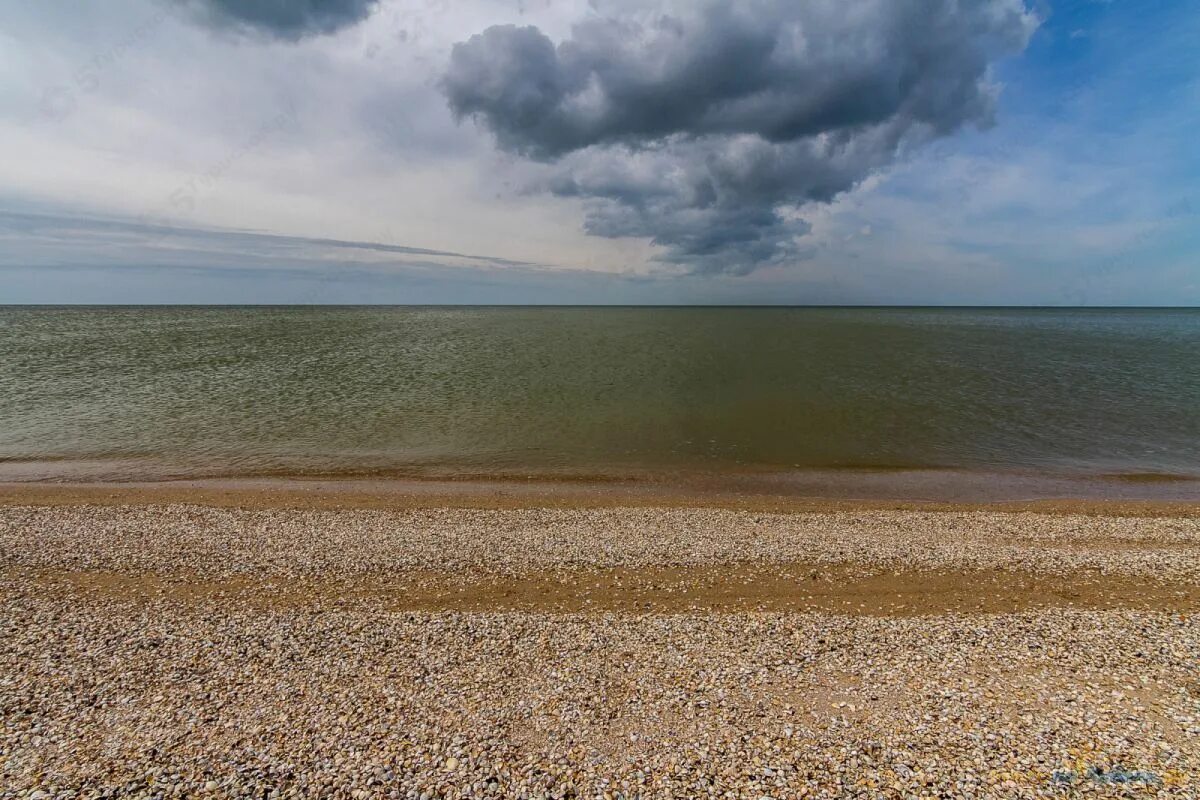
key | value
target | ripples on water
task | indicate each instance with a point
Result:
(493, 390)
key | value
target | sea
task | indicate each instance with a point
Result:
(573, 393)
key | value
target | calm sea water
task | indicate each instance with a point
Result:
(245, 391)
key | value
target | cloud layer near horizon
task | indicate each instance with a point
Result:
(706, 127)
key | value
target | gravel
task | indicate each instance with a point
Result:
(212, 698)
(214, 542)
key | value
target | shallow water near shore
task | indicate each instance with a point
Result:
(148, 393)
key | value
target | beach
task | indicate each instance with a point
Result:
(599, 400)
(324, 644)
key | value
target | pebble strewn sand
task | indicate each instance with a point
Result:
(212, 542)
(159, 698)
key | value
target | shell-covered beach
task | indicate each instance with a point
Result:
(184, 650)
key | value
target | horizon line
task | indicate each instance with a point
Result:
(960, 306)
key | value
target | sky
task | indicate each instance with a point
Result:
(957, 152)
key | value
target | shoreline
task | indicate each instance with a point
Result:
(881, 490)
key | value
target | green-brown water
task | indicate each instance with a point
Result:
(244, 391)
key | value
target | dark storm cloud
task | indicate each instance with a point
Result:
(703, 129)
(281, 19)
